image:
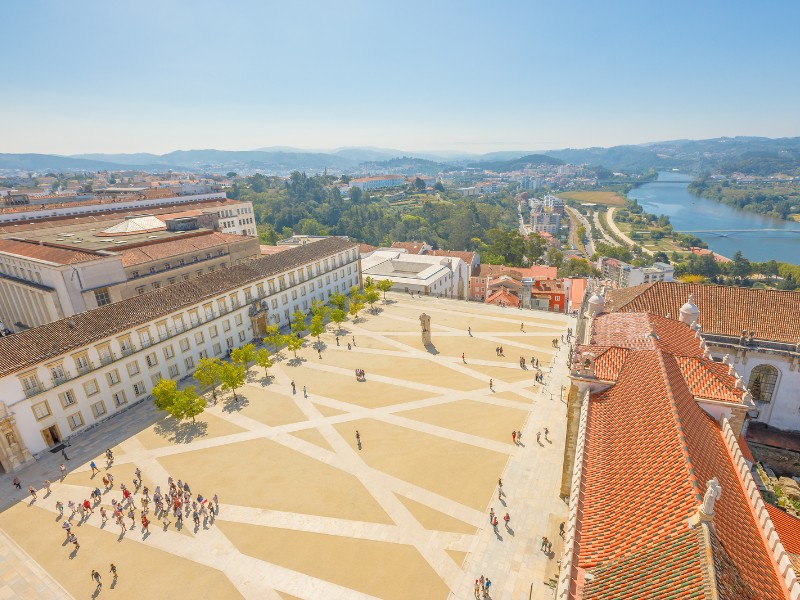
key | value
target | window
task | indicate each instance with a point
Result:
(157, 285)
(274, 303)
(102, 296)
(763, 380)
(173, 371)
(186, 276)
(139, 389)
(98, 409)
(229, 342)
(184, 344)
(144, 338)
(113, 377)
(133, 368)
(199, 338)
(242, 336)
(248, 296)
(167, 266)
(41, 410)
(202, 354)
(209, 310)
(151, 359)
(152, 269)
(119, 398)
(140, 290)
(294, 294)
(82, 363)
(212, 331)
(238, 319)
(169, 352)
(135, 274)
(171, 280)
(226, 325)
(91, 387)
(75, 420)
(285, 299)
(155, 378)
(189, 362)
(217, 348)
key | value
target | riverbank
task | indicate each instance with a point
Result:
(779, 199)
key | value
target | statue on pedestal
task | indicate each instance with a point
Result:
(425, 322)
(713, 493)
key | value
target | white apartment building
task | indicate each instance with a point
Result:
(621, 274)
(444, 276)
(378, 181)
(58, 379)
(545, 222)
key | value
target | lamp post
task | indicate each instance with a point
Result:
(563, 387)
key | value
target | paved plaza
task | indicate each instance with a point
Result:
(304, 512)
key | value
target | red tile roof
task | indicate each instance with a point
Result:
(536, 271)
(648, 450)
(410, 247)
(788, 528)
(47, 252)
(502, 297)
(770, 314)
(176, 247)
(28, 348)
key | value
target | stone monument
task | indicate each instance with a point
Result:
(425, 322)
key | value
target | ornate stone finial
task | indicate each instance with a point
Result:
(713, 493)
(747, 397)
(731, 370)
(726, 359)
(689, 311)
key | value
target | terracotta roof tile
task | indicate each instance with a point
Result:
(770, 314)
(47, 252)
(173, 247)
(788, 528)
(28, 348)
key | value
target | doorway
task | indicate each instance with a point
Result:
(51, 435)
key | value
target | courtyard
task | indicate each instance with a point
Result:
(305, 510)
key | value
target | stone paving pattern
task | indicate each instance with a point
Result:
(304, 512)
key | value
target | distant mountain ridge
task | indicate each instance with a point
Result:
(755, 155)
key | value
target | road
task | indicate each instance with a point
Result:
(602, 230)
(621, 235)
(575, 216)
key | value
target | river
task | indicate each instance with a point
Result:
(765, 238)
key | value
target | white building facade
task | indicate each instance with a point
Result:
(60, 378)
(447, 277)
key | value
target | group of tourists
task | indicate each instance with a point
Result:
(361, 375)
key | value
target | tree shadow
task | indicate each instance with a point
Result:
(180, 432)
(431, 349)
(390, 301)
(320, 346)
(376, 310)
(231, 404)
(267, 380)
(295, 362)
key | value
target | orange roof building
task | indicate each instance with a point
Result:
(662, 503)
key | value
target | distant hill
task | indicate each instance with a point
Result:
(408, 165)
(54, 162)
(517, 164)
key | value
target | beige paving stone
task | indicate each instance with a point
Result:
(383, 570)
(286, 596)
(264, 474)
(313, 436)
(484, 349)
(144, 572)
(472, 417)
(516, 397)
(328, 411)
(167, 432)
(430, 518)
(514, 373)
(457, 556)
(269, 407)
(458, 471)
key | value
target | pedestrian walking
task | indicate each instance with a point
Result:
(94, 467)
(522, 327)
(477, 589)
(491, 384)
(63, 470)
(105, 482)
(561, 529)
(17, 483)
(305, 392)
(46, 484)
(491, 515)
(64, 453)
(354, 340)
(96, 578)
(103, 515)
(514, 437)
(488, 585)
(74, 539)
(464, 360)
(294, 391)
(145, 524)
(500, 489)
(349, 347)
(32, 491)
(519, 438)
(67, 526)
(507, 518)
(469, 331)
(113, 571)
(138, 473)
(358, 438)
(546, 431)
(337, 340)
(538, 436)
(60, 508)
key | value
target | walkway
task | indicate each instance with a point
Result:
(622, 236)
(307, 513)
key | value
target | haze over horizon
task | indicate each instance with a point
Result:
(91, 77)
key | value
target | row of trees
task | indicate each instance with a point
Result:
(230, 375)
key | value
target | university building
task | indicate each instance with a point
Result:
(59, 378)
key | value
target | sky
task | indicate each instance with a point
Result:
(145, 76)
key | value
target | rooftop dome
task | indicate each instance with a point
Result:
(689, 311)
(596, 304)
(133, 226)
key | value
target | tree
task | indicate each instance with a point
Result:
(244, 355)
(298, 322)
(338, 316)
(660, 257)
(581, 233)
(740, 267)
(264, 360)
(371, 295)
(274, 337)
(318, 309)
(419, 184)
(180, 404)
(438, 186)
(788, 283)
(317, 327)
(355, 307)
(207, 374)
(294, 343)
(232, 376)
(384, 285)
(338, 300)
(230, 174)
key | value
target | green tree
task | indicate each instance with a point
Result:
(264, 360)
(180, 404)
(581, 233)
(338, 300)
(338, 316)
(419, 184)
(298, 322)
(232, 376)
(294, 343)
(371, 295)
(740, 267)
(318, 309)
(355, 307)
(207, 374)
(438, 186)
(317, 326)
(274, 337)
(230, 174)
(244, 355)
(555, 258)
(384, 285)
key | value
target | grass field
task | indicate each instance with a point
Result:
(606, 198)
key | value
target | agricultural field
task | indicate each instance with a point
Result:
(605, 198)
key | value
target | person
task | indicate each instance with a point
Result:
(469, 331)
(113, 571)
(514, 437)
(349, 347)
(358, 437)
(46, 484)
(105, 481)
(561, 529)
(94, 467)
(67, 526)
(522, 327)
(464, 360)
(32, 491)
(501, 351)
(491, 384)
(305, 392)
(17, 483)
(337, 340)
(507, 518)
(519, 438)
(477, 588)
(543, 545)
(546, 431)
(64, 453)
(74, 539)
(354, 340)
(63, 470)
(491, 515)
(294, 388)
(103, 515)
(60, 508)
(538, 436)
(96, 578)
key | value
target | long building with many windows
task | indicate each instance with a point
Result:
(57, 379)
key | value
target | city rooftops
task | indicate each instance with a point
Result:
(47, 252)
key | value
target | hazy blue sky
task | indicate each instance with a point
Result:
(145, 76)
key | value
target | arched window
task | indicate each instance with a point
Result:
(762, 382)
